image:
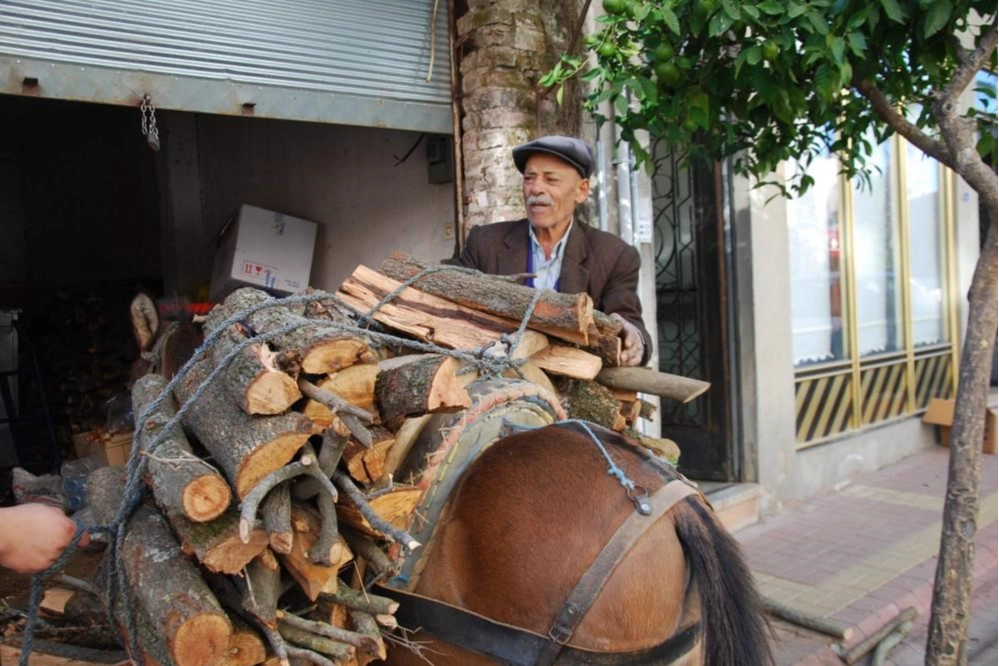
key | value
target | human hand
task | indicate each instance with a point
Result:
(33, 536)
(633, 345)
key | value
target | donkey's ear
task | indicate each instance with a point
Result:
(145, 321)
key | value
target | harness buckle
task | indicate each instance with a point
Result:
(559, 634)
(639, 495)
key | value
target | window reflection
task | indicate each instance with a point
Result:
(925, 249)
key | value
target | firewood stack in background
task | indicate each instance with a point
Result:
(286, 467)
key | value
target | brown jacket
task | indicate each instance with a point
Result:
(595, 262)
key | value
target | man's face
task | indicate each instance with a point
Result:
(552, 188)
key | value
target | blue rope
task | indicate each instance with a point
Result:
(612, 468)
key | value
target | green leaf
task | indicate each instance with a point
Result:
(751, 11)
(794, 10)
(837, 46)
(719, 24)
(642, 12)
(671, 21)
(732, 9)
(558, 95)
(893, 10)
(650, 90)
(858, 43)
(827, 81)
(937, 17)
(771, 7)
(621, 104)
(753, 55)
(819, 22)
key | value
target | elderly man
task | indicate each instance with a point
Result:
(563, 253)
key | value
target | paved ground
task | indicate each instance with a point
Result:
(861, 555)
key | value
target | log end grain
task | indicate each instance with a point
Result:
(231, 555)
(202, 639)
(271, 392)
(334, 355)
(246, 648)
(206, 498)
(273, 455)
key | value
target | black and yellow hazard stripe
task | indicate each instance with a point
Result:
(882, 392)
(823, 406)
(933, 378)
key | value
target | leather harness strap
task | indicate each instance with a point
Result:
(585, 593)
(520, 647)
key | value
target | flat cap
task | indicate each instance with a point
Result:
(574, 151)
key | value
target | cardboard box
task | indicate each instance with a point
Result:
(940, 413)
(264, 249)
(112, 449)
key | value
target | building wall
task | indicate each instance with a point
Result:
(346, 179)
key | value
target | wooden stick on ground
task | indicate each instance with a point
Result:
(807, 620)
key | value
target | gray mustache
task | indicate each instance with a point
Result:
(539, 199)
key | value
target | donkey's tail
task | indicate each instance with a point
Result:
(735, 630)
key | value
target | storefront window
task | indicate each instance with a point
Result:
(816, 284)
(877, 256)
(926, 282)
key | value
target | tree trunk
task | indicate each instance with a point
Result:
(948, 631)
(181, 609)
(180, 481)
(248, 448)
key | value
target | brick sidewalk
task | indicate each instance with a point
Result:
(861, 555)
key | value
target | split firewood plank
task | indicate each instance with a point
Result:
(367, 465)
(590, 401)
(405, 438)
(179, 479)
(423, 316)
(246, 647)
(248, 448)
(394, 506)
(644, 380)
(554, 311)
(169, 587)
(47, 653)
(254, 381)
(533, 374)
(419, 384)
(313, 578)
(319, 347)
(54, 601)
(568, 362)
(320, 415)
(529, 344)
(355, 384)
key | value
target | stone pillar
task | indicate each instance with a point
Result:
(504, 49)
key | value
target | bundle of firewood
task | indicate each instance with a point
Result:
(298, 425)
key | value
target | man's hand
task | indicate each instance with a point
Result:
(33, 536)
(633, 346)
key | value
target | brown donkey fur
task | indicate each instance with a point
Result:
(534, 511)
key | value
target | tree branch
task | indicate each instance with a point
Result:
(971, 63)
(898, 122)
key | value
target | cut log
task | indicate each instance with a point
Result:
(360, 600)
(181, 608)
(647, 410)
(355, 384)
(357, 640)
(418, 384)
(314, 642)
(649, 381)
(320, 415)
(151, 647)
(371, 553)
(666, 448)
(590, 401)
(624, 395)
(364, 624)
(46, 653)
(179, 480)
(533, 374)
(218, 545)
(276, 511)
(313, 578)
(253, 379)
(319, 347)
(554, 313)
(54, 601)
(248, 448)
(423, 316)
(393, 506)
(405, 437)
(246, 647)
(367, 465)
(568, 362)
(605, 340)
(262, 587)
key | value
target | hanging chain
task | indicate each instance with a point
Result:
(149, 122)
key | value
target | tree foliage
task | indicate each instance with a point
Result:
(770, 80)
